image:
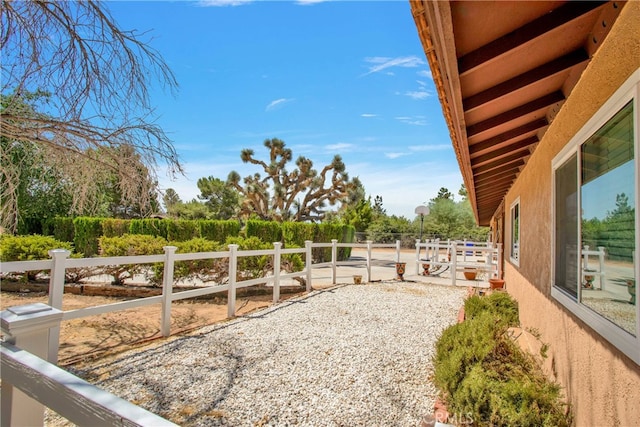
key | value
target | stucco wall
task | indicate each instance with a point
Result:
(602, 384)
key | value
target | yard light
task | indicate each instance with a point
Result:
(422, 210)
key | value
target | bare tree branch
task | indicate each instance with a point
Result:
(93, 80)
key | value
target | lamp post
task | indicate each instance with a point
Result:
(422, 210)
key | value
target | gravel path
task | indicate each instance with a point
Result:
(346, 356)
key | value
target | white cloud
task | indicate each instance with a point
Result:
(425, 73)
(394, 155)
(223, 3)
(421, 83)
(417, 94)
(278, 103)
(341, 146)
(380, 63)
(368, 115)
(309, 2)
(416, 120)
(427, 147)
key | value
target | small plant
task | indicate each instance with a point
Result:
(129, 245)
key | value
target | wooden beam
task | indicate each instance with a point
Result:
(507, 116)
(515, 158)
(556, 18)
(503, 151)
(528, 78)
(487, 144)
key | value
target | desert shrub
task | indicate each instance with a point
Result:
(87, 231)
(28, 248)
(129, 245)
(499, 304)
(485, 375)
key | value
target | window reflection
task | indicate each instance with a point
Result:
(608, 281)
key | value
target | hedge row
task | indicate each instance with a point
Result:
(294, 234)
(85, 232)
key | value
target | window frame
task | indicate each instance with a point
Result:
(512, 250)
(623, 340)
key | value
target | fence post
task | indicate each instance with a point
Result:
(499, 261)
(30, 327)
(334, 260)
(233, 272)
(308, 262)
(56, 290)
(369, 245)
(601, 268)
(418, 249)
(167, 289)
(585, 257)
(276, 271)
(453, 247)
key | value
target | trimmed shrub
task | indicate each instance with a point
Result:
(87, 231)
(267, 231)
(150, 226)
(63, 228)
(296, 233)
(129, 245)
(203, 269)
(115, 227)
(28, 248)
(218, 230)
(181, 230)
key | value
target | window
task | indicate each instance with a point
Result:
(514, 253)
(596, 233)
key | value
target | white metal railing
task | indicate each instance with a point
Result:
(459, 255)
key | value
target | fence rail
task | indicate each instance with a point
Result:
(100, 407)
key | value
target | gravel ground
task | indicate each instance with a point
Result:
(345, 356)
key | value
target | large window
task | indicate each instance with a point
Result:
(514, 253)
(596, 233)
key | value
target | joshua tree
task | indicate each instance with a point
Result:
(300, 195)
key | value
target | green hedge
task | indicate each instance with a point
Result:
(28, 248)
(181, 230)
(267, 231)
(63, 228)
(114, 227)
(218, 230)
(87, 231)
(151, 227)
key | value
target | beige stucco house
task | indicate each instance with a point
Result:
(542, 100)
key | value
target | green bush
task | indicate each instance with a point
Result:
(499, 304)
(181, 230)
(486, 376)
(296, 233)
(130, 245)
(217, 230)
(115, 227)
(29, 248)
(63, 228)
(151, 226)
(203, 269)
(267, 231)
(87, 231)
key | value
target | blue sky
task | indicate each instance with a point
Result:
(328, 78)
